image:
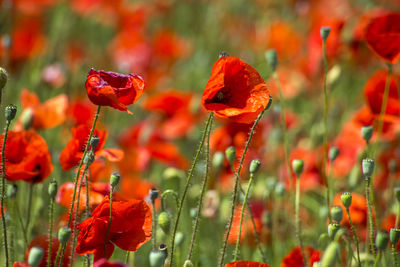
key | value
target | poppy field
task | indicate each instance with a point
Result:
(181, 133)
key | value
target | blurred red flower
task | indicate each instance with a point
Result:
(294, 258)
(106, 263)
(235, 90)
(113, 89)
(131, 227)
(27, 157)
(246, 264)
(383, 36)
(81, 111)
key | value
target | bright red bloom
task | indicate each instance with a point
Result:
(113, 89)
(383, 36)
(294, 258)
(43, 242)
(246, 264)
(72, 153)
(235, 90)
(27, 157)
(106, 263)
(130, 228)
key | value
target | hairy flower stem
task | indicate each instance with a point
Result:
(298, 223)
(241, 217)
(58, 255)
(378, 258)
(51, 215)
(353, 229)
(370, 219)
(109, 222)
(154, 231)
(326, 110)
(203, 190)
(190, 175)
(3, 192)
(166, 193)
(394, 254)
(236, 186)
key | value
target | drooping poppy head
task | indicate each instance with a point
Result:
(246, 264)
(383, 36)
(235, 90)
(295, 259)
(113, 89)
(130, 228)
(27, 157)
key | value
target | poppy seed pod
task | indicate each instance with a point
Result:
(366, 133)
(53, 188)
(333, 153)
(394, 236)
(298, 166)
(331, 255)
(114, 179)
(153, 194)
(368, 167)
(10, 112)
(272, 58)
(337, 213)
(218, 160)
(223, 54)
(188, 263)
(89, 158)
(164, 221)
(63, 234)
(158, 257)
(12, 191)
(382, 239)
(94, 141)
(397, 193)
(230, 154)
(254, 166)
(333, 228)
(3, 78)
(346, 199)
(324, 31)
(35, 256)
(179, 238)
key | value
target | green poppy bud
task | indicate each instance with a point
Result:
(382, 239)
(64, 234)
(279, 189)
(366, 133)
(164, 221)
(346, 199)
(298, 166)
(394, 235)
(324, 31)
(272, 58)
(323, 241)
(331, 255)
(53, 188)
(333, 153)
(368, 167)
(114, 179)
(254, 166)
(10, 112)
(218, 160)
(94, 142)
(188, 263)
(333, 228)
(158, 257)
(179, 238)
(230, 154)
(35, 256)
(337, 213)
(89, 158)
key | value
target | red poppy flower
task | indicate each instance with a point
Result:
(43, 242)
(64, 196)
(106, 263)
(130, 228)
(235, 90)
(294, 258)
(27, 157)
(81, 111)
(113, 89)
(72, 153)
(246, 264)
(383, 36)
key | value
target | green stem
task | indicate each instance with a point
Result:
(24, 233)
(28, 213)
(3, 191)
(51, 213)
(298, 223)
(190, 175)
(109, 222)
(236, 186)
(241, 217)
(127, 257)
(153, 204)
(87, 197)
(165, 194)
(353, 229)
(377, 259)
(203, 190)
(394, 254)
(58, 255)
(371, 222)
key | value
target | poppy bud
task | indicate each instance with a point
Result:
(332, 229)
(272, 58)
(298, 166)
(173, 173)
(164, 221)
(179, 239)
(63, 234)
(394, 236)
(35, 256)
(188, 263)
(193, 213)
(323, 241)
(346, 199)
(337, 213)
(382, 239)
(12, 190)
(94, 142)
(218, 160)
(27, 118)
(153, 194)
(325, 32)
(10, 112)
(366, 133)
(89, 158)
(397, 193)
(368, 167)
(223, 54)
(254, 166)
(114, 179)
(53, 189)
(230, 154)
(3, 78)
(331, 255)
(333, 153)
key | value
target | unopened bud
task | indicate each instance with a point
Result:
(324, 31)
(333, 153)
(10, 112)
(254, 166)
(230, 154)
(333, 228)
(164, 221)
(394, 236)
(331, 255)
(53, 188)
(346, 198)
(94, 142)
(35, 256)
(382, 240)
(272, 58)
(298, 166)
(188, 263)
(157, 257)
(218, 160)
(179, 239)
(114, 179)
(89, 158)
(153, 194)
(63, 234)
(337, 213)
(368, 167)
(366, 133)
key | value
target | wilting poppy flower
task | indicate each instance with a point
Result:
(72, 153)
(246, 264)
(113, 89)
(235, 90)
(43, 242)
(130, 228)
(27, 157)
(383, 36)
(106, 263)
(294, 258)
